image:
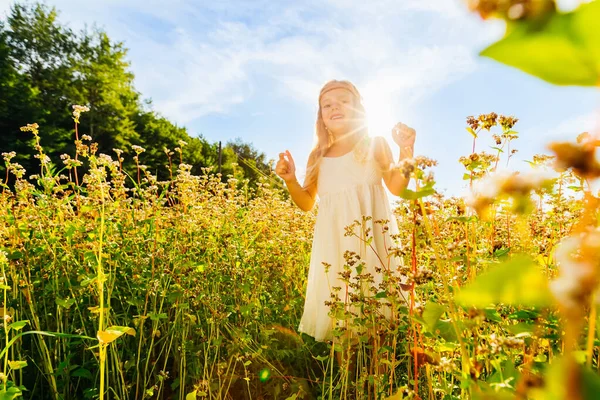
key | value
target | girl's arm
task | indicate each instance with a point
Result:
(303, 196)
(393, 178)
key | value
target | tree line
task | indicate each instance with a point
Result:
(46, 68)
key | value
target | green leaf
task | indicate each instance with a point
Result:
(518, 281)
(10, 393)
(492, 315)
(82, 373)
(17, 326)
(446, 346)
(191, 395)
(445, 330)
(501, 252)
(17, 364)
(521, 327)
(432, 314)
(505, 372)
(113, 332)
(590, 384)
(157, 316)
(564, 50)
(525, 315)
(65, 303)
(15, 255)
(408, 194)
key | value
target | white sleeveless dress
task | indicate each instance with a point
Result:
(348, 189)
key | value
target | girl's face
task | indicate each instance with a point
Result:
(338, 110)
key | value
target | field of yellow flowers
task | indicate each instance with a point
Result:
(116, 285)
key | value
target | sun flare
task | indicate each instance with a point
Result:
(381, 116)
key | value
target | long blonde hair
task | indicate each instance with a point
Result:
(324, 140)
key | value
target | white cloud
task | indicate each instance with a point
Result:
(573, 126)
(195, 58)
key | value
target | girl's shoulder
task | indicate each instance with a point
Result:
(376, 147)
(379, 152)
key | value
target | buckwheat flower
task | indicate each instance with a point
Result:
(3, 258)
(138, 149)
(581, 157)
(488, 120)
(118, 151)
(30, 128)
(71, 163)
(86, 137)
(425, 162)
(8, 156)
(473, 122)
(507, 122)
(104, 159)
(185, 167)
(182, 143)
(77, 110)
(406, 166)
(44, 159)
(540, 159)
(17, 170)
(504, 184)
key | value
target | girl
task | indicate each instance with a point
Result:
(345, 169)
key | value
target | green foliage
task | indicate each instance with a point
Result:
(561, 48)
(46, 68)
(518, 281)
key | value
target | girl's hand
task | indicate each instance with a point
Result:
(404, 136)
(286, 168)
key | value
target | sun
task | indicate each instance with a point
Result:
(380, 111)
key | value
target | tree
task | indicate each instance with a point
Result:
(46, 68)
(17, 104)
(253, 163)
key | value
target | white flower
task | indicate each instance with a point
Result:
(8, 156)
(138, 149)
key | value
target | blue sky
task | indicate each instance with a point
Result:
(253, 69)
